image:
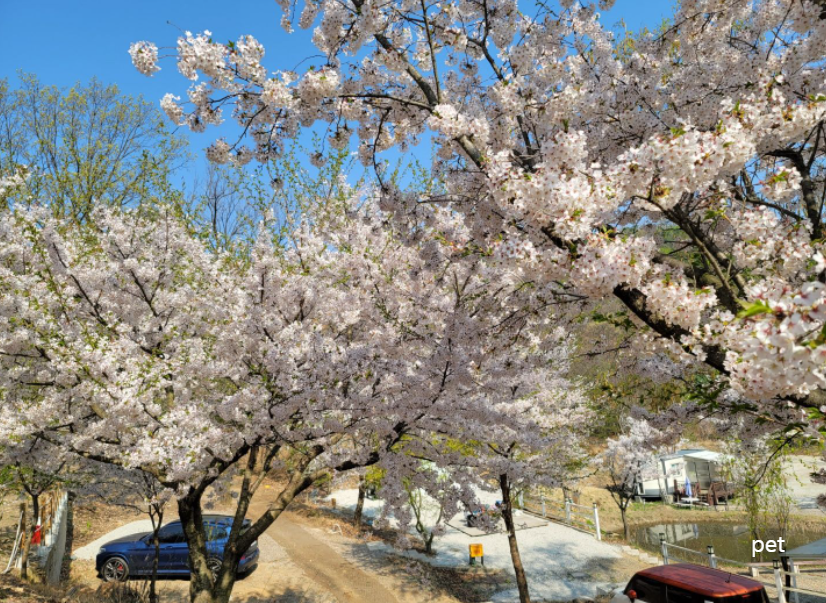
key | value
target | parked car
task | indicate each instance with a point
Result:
(133, 555)
(687, 583)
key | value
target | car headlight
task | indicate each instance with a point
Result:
(101, 550)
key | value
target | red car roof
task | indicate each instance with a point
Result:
(701, 580)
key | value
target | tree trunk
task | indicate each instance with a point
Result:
(29, 529)
(507, 515)
(36, 514)
(24, 530)
(625, 526)
(360, 503)
(428, 543)
(202, 589)
(157, 520)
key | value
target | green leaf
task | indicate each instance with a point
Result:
(759, 307)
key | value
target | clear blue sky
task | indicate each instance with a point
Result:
(65, 41)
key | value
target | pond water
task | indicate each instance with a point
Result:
(731, 541)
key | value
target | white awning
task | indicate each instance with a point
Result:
(705, 455)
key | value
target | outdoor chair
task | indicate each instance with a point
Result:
(719, 493)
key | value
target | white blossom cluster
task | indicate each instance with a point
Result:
(605, 265)
(144, 57)
(275, 94)
(680, 173)
(174, 111)
(200, 53)
(769, 246)
(161, 356)
(775, 353)
(317, 86)
(14, 182)
(632, 456)
(676, 301)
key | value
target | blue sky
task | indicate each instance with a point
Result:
(64, 42)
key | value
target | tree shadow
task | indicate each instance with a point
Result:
(287, 596)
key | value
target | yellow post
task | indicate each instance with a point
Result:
(474, 551)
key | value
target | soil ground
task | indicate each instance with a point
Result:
(298, 565)
(313, 555)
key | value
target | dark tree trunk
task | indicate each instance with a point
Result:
(35, 513)
(25, 530)
(28, 534)
(202, 589)
(507, 515)
(360, 503)
(157, 520)
(626, 528)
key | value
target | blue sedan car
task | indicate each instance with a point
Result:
(133, 555)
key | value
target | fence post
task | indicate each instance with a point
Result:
(542, 500)
(596, 522)
(778, 582)
(755, 571)
(712, 559)
(795, 570)
(664, 548)
(521, 501)
(567, 511)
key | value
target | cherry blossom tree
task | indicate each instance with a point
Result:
(678, 170)
(542, 419)
(628, 460)
(360, 339)
(544, 398)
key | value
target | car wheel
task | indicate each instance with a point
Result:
(115, 570)
(214, 565)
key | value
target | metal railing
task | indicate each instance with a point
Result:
(709, 558)
(568, 512)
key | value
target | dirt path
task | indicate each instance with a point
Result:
(326, 567)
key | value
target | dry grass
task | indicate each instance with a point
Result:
(468, 584)
(15, 590)
(93, 519)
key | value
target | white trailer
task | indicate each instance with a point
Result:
(702, 467)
